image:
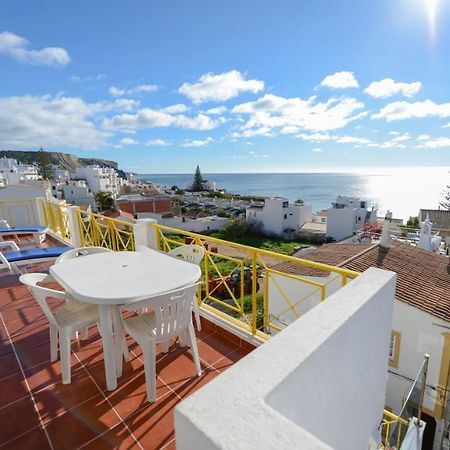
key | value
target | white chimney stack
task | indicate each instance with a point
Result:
(385, 240)
(425, 234)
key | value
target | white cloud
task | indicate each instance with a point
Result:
(317, 150)
(198, 142)
(154, 118)
(157, 143)
(340, 80)
(78, 79)
(388, 87)
(394, 133)
(314, 137)
(29, 122)
(437, 142)
(216, 111)
(116, 92)
(128, 141)
(352, 140)
(16, 46)
(176, 109)
(406, 110)
(270, 114)
(140, 89)
(446, 125)
(220, 87)
(401, 138)
(423, 137)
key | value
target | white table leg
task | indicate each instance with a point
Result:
(118, 337)
(106, 327)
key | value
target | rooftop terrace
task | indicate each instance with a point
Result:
(38, 411)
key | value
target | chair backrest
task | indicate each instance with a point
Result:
(82, 251)
(41, 294)
(172, 311)
(192, 253)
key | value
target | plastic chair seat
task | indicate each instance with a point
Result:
(75, 312)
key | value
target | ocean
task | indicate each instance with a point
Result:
(403, 191)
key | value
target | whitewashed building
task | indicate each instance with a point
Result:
(100, 179)
(278, 216)
(14, 172)
(195, 225)
(59, 174)
(421, 318)
(347, 216)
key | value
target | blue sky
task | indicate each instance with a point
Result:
(252, 86)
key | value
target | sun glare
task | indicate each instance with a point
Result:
(431, 9)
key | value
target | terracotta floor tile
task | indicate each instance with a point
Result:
(154, 427)
(193, 384)
(131, 394)
(12, 388)
(35, 439)
(81, 424)
(18, 418)
(213, 348)
(117, 438)
(8, 365)
(230, 359)
(176, 367)
(60, 398)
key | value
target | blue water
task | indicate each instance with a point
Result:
(404, 192)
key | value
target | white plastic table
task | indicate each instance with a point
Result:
(121, 278)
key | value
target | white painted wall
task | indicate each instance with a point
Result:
(421, 333)
(340, 222)
(318, 384)
(277, 215)
(211, 223)
(302, 295)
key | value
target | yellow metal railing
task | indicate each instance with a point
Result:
(56, 218)
(101, 231)
(388, 424)
(241, 281)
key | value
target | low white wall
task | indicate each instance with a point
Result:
(318, 384)
(302, 295)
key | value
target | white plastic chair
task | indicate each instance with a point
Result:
(194, 254)
(82, 251)
(13, 247)
(170, 317)
(68, 319)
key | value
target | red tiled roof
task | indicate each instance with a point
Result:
(423, 278)
(331, 254)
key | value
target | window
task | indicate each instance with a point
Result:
(285, 216)
(285, 204)
(394, 349)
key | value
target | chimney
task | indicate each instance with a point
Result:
(385, 240)
(425, 234)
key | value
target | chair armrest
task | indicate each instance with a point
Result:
(10, 244)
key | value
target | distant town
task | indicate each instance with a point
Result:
(204, 207)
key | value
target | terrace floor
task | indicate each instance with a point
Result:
(37, 411)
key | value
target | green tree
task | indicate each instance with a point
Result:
(43, 163)
(197, 183)
(104, 201)
(445, 202)
(299, 202)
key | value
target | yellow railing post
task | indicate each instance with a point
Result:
(254, 289)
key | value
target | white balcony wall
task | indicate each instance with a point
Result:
(302, 295)
(318, 384)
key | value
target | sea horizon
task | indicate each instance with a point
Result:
(404, 191)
